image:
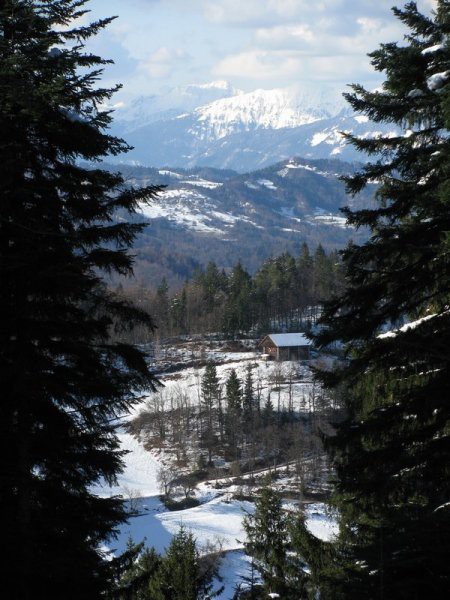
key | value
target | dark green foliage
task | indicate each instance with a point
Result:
(132, 573)
(237, 313)
(213, 283)
(177, 313)
(161, 314)
(248, 401)
(268, 413)
(313, 564)
(183, 575)
(392, 454)
(233, 423)
(209, 408)
(64, 383)
(268, 542)
(281, 295)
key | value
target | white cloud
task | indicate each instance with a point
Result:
(276, 42)
(287, 66)
(315, 51)
(284, 35)
(253, 11)
(162, 62)
(257, 65)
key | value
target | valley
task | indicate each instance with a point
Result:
(221, 493)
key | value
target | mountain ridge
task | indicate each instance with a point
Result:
(243, 131)
(210, 214)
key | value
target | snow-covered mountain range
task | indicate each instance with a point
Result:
(218, 126)
(209, 214)
(172, 103)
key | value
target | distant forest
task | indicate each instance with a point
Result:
(282, 295)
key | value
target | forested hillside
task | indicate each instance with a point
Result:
(284, 294)
(218, 215)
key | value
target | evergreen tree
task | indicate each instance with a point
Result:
(268, 543)
(210, 397)
(237, 311)
(268, 412)
(213, 282)
(161, 315)
(234, 412)
(392, 454)
(305, 271)
(248, 400)
(323, 275)
(132, 572)
(312, 563)
(183, 575)
(177, 313)
(64, 383)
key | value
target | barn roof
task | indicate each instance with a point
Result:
(283, 340)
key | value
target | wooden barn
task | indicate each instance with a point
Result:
(286, 346)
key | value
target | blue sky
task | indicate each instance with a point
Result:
(251, 43)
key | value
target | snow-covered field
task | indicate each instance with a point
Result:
(190, 209)
(218, 519)
(218, 522)
(296, 387)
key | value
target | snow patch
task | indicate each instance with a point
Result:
(321, 525)
(415, 93)
(184, 207)
(139, 476)
(170, 174)
(438, 80)
(318, 138)
(434, 48)
(211, 185)
(267, 183)
(406, 327)
(215, 520)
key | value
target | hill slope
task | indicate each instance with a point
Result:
(208, 214)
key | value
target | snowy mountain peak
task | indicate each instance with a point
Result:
(172, 103)
(219, 85)
(213, 124)
(267, 109)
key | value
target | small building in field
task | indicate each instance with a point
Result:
(286, 346)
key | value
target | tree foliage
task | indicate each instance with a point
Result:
(282, 294)
(392, 454)
(183, 574)
(64, 383)
(269, 543)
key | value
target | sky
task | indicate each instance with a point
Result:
(159, 44)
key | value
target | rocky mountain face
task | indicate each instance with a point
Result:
(218, 126)
(171, 104)
(209, 214)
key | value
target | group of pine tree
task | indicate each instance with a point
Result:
(140, 573)
(279, 295)
(239, 422)
(66, 381)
